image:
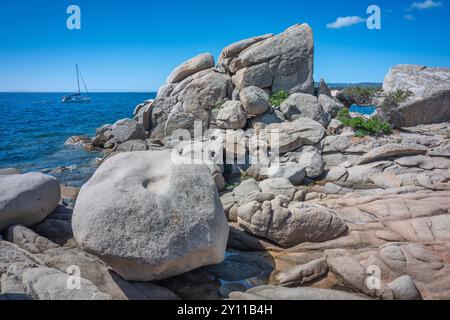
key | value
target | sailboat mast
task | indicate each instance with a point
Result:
(78, 80)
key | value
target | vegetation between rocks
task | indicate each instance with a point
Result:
(392, 101)
(363, 126)
(359, 95)
(278, 98)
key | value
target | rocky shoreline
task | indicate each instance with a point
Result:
(241, 180)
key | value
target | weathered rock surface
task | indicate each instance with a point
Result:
(231, 116)
(8, 171)
(122, 131)
(282, 293)
(392, 151)
(290, 56)
(293, 135)
(303, 274)
(324, 89)
(93, 269)
(301, 105)
(143, 117)
(290, 224)
(192, 66)
(27, 198)
(430, 102)
(148, 223)
(254, 100)
(329, 105)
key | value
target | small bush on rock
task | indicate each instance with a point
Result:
(358, 95)
(392, 100)
(278, 98)
(362, 126)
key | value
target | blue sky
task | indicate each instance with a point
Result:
(133, 45)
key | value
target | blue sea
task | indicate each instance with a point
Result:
(34, 127)
(367, 110)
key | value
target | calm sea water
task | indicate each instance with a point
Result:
(34, 127)
(368, 110)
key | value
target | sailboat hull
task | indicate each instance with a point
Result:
(77, 97)
(76, 100)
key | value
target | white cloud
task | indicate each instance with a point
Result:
(427, 4)
(409, 17)
(342, 22)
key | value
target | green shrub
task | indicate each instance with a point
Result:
(364, 127)
(392, 100)
(278, 98)
(359, 95)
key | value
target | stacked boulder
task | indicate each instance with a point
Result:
(430, 99)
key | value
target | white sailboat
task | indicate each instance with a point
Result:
(77, 97)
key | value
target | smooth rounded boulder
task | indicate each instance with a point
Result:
(254, 100)
(150, 218)
(27, 198)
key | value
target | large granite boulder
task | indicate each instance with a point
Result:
(149, 218)
(290, 57)
(289, 224)
(270, 292)
(301, 105)
(231, 116)
(430, 102)
(295, 134)
(27, 198)
(233, 50)
(324, 89)
(254, 100)
(181, 104)
(122, 131)
(190, 67)
(143, 116)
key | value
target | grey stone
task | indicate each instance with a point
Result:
(430, 102)
(324, 89)
(206, 91)
(8, 171)
(93, 269)
(228, 288)
(303, 274)
(392, 151)
(254, 100)
(258, 75)
(301, 294)
(313, 163)
(262, 121)
(49, 284)
(123, 131)
(201, 62)
(301, 105)
(291, 171)
(27, 198)
(291, 59)
(140, 214)
(278, 187)
(246, 187)
(231, 116)
(143, 117)
(234, 49)
(329, 105)
(289, 225)
(295, 134)
(404, 289)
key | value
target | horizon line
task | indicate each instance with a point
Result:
(331, 84)
(68, 92)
